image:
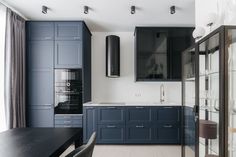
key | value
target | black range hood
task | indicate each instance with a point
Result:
(112, 56)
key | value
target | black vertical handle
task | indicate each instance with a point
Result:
(196, 109)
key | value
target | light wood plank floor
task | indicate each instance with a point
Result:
(133, 151)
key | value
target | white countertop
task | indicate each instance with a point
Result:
(130, 104)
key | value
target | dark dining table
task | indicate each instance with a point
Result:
(38, 142)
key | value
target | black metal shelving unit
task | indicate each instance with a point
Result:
(214, 108)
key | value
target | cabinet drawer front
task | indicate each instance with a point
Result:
(68, 121)
(111, 133)
(68, 54)
(139, 115)
(111, 115)
(139, 133)
(68, 30)
(68, 126)
(168, 134)
(68, 117)
(167, 114)
(40, 31)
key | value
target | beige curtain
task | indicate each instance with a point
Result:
(15, 71)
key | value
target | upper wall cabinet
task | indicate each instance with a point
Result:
(40, 31)
(68, 44)
(158, 52)
(68, 31)
(68, 54)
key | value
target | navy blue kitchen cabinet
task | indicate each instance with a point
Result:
(87, 65)
(89, 122)
(139, 133)
(68, 30)
(41, 116)
(167, 114)
(111, 115)
(40, 72)
(69, 40)
(40, 31)
(68, 54)
(40, 83)
(111, 134)
(68, 121)
(139, 125)
(167, 133)
(50, 45)
(138, 114)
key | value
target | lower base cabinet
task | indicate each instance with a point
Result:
(168, 134)
(111, 134)
(139, 133)
(135, 129)
(40, 116)
(89, 122)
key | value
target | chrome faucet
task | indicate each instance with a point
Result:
(162, 93)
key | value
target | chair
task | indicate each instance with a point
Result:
(85, 150)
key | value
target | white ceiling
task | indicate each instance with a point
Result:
(111, 15)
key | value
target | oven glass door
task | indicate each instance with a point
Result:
(68, 91)
(68, 103)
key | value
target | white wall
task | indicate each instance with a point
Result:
(225, 10)
(124, 89)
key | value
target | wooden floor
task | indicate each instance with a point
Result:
(133, 151)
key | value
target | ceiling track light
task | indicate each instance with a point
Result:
(172, 9)
(132, 9)
(86, 9)
(44, 9)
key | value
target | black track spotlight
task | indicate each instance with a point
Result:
(132, 9)
(172, 9)
(44, 9)
(86, 9)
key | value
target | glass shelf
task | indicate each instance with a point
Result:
(190, 79)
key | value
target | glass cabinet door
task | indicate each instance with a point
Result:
(209, 97)
(189, 85)
(231, 48)
(152, 54)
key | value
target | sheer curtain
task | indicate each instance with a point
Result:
(2, 47)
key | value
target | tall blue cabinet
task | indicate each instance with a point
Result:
(50, 45)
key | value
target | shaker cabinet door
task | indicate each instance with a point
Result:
(139, 133)
(41, 116)
(68, 54)
(168, 133)
(40, 31)
(68, 31)
(111, 133)
(89, 122)
(40, 72)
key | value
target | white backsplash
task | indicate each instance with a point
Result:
(125, 89)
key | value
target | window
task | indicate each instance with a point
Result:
(2, 46)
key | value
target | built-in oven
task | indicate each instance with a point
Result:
(68, 91)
